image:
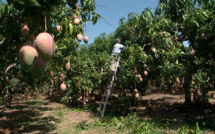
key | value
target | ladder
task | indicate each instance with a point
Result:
(107, 91)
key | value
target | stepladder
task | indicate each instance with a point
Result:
(111, 77)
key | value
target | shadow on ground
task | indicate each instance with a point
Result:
(167, 110)
(26, 117)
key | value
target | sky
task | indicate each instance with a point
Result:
(113, 10)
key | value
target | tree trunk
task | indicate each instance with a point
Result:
(2, 85)
(187, 88)
(187, 84)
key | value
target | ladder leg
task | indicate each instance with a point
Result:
(107, 96)
(107, 91)
(103, 98)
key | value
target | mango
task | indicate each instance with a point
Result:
(27, 57)
(86, 39)
(77, 20)
(45, 46)
(24, 29)
(68, 66)
(79, 37)
(63, 86)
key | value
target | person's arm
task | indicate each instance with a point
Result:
(123, 47)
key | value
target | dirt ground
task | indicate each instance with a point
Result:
(42, 114)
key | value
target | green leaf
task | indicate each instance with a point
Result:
(28, 3)
(70, 28)
(195, 22)
(50, 28)
(61, 48)
(53, 2)
(63, 31)
(205, 14)
(94, 19)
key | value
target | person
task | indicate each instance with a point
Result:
(117, 47)
(115, 56)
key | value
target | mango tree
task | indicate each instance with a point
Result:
(156, 44)
(87, 75)
(50, 29)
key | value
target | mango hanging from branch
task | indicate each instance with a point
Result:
(45, 46)
(27, 57)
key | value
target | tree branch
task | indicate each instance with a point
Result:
(8, 68)
(146, 44)
(102, 6)
(2, 41)
(3, 79)
(106, 21)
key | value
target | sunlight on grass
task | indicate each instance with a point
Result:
(39, 104)
(61, 113)
(124, 124)
(1, 102)
(67, 120)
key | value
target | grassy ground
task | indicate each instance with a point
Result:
(43, 115)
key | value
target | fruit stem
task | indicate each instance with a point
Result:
(45, 20)
(79, 29)
(76, 9)
(85, 29)
(153, 43)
